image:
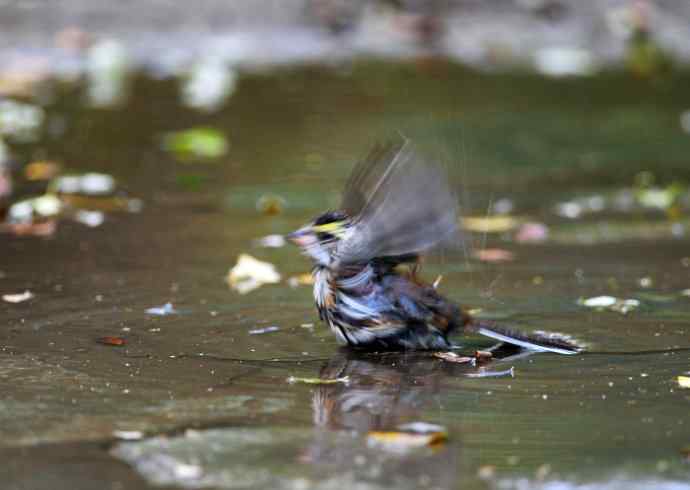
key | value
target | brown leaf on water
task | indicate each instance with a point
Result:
(483, 356)
(110, 340)
(453, 357)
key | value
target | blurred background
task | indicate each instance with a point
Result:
(154, 153)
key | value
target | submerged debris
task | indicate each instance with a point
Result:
(249, 274)
(18, 298)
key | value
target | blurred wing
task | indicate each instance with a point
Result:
(400, 205)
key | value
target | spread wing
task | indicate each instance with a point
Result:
(400, 204)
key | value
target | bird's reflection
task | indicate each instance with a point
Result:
(383, 392)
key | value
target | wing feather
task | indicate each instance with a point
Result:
(400, 205)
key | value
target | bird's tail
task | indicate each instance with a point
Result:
(538, 341)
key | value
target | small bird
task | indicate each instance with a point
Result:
(396, 207)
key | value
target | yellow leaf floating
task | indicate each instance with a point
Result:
(408, 437)
(490, 224)
(684, 381)
(249, 274)
(41, 170)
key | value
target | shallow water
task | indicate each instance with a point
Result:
(211, 401)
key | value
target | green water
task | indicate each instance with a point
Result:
(614, 417)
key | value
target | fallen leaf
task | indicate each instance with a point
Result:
(89, 184)
(41, 170)
(107, 203)
(623, 306)
(196, 144)
(42, 229)
(408, 437)
(599, 302)
(270, 204)
(109, 340)
(684, 381)
(453, 357)
(26, 211)
(249, 274)
(484, 373)
(490, 224)
(318, 381)
(92, 219)
(128, 435)
(493, 255)
(486, 472)
(18, 298)
(483, 356)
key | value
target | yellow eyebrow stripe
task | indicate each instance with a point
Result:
(327, 227)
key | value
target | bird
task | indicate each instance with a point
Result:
(396, 208)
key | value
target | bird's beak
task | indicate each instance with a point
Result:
(302, 237)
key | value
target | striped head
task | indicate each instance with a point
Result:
(319, 239)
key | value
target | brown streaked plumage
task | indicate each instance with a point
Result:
(396, 207)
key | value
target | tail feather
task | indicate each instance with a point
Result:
(540, 342)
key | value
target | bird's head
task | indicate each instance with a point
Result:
(319, 239)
